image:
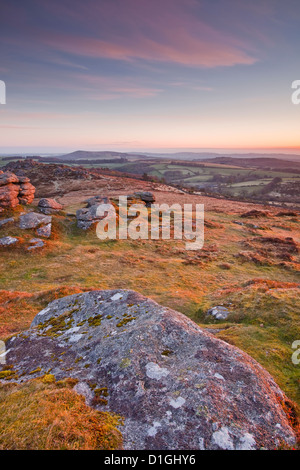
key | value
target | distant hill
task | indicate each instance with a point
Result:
(263, 163)
(101, 155)
(212, 155)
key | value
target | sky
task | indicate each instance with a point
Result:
(133, 75)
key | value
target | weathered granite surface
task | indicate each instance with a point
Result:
(177, 386)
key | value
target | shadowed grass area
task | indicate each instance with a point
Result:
(46, 415)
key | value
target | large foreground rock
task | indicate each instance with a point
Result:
(177, 386)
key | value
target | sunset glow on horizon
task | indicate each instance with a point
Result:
(140, 74)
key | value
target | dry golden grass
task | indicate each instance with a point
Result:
(46, 415)
(264, 298)
(17, 309)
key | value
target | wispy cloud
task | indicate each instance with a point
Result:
(184, 50)
(172, 31)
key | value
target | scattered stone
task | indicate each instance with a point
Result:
(6, 221)
(44, 231)
(145, 196)
(96, 200)
(36, 243)
(7, 241)
(219, 312)
(204, 393)
(237, 222)
(49, 206)
(87, 216)
(32, 220)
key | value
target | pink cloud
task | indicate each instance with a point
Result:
(174, 31)
(184, 50)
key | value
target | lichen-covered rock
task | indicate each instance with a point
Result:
(96, 200)
(6, 221)
(44, 231)
(177, 386)
(219, 312)
(35, 243)
(7, 241)
(32, 220)
(145, 196)
(88, 216)
(49, 206)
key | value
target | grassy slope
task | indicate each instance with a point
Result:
(191, 175)
(265, 312)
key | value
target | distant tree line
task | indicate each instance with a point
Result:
(72, 162)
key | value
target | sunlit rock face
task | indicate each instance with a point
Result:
(15, 190)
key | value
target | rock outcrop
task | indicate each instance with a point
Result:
(177, 386)
(27, 190)
(88, 216)
(15, 190)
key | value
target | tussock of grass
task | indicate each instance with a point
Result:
(43, 414)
